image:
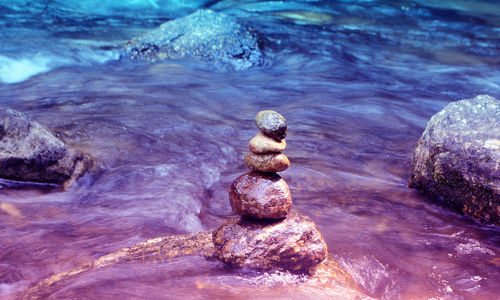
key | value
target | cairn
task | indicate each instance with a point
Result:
(268, 235)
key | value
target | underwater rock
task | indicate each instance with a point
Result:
(293, 244)
(457, 159)
(161, 249)
(30, 152)
(261, 143)
(260, 196)
(271, 124)
(269, 162)
(206, 35)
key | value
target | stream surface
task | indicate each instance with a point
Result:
(357, 82)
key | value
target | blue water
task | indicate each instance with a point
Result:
(357, 82)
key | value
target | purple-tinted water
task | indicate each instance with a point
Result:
(357, 82)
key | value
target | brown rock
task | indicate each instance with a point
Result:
(261, 143)
(293, 244)
(260, 196)
(270, 162)
(271, 124)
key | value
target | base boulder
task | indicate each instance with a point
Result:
(293, 244)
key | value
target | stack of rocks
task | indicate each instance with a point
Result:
(268, 236)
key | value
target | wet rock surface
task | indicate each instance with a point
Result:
(293, 244)
(269, 162)
(271, 124)
(260, 196)
(205, 35)
(261, 143)
(457, 159)
(30, 152)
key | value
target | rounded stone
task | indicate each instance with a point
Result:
(270, 162)
(457, 158)
(260, 196)
(293, 244)
(271, 124)
(261, 143)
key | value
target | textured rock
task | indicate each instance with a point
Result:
(271, 124)
(205, 35)
(271, 162)
(293, 244)
(457, 158)
(260, 196)
(261, 144)
(29, 151)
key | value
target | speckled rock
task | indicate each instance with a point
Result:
(205, 35)
(457, 159)
(30, 152)
(293, 244)
(260, 196)
(271, 124)
(271, 162)
(261, 144)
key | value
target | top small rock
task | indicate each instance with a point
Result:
(271, 124)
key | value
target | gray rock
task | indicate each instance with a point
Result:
(30, 152)
(271, 124)
(457, 158)
(260, 196)
(293, 244)
(206, 35)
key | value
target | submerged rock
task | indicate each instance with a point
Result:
(260, 196)
(457, 159)
(327, 274)
(30, 152)
(269, 162)
(206, 35)
(293, 244)
(271, 124)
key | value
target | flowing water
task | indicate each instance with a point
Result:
(357, 82)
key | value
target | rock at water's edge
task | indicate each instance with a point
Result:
(30, 152)
(271, 124)
(270, 162)
(293, 244)
(260, 196)
(457, 159)
(206, 35)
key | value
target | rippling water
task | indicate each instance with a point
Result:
(357, 82)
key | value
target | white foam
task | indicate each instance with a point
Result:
(18, 69)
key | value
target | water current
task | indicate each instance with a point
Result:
(357, 82)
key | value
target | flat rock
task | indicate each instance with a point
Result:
(261, 144)
(30, 152)
(271, 162)
(205, 35)
(260, 196)
(271, 124)
(293, 244)
(457, 159)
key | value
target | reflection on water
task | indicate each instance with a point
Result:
(357, 82)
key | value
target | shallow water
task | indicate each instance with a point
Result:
(357, 82)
